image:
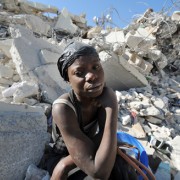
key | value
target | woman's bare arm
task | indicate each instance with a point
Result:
(62, 169)
(95, 162)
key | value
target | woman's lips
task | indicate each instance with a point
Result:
(95, 87)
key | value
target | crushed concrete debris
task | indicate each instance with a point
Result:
(141, 63)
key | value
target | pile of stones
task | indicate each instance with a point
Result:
(141, 63)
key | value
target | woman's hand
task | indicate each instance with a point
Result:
(61, 170)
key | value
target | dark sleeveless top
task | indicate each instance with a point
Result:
(59, 145)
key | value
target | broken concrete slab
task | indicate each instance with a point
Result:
(37, 25)
(31, 89)
(5, 81)
(163, 57)
(26, 49)
(115, 37)
(150, 111)
(138, 62)
(23, 134)
(31, 57)
(6, 72)
(33, 172)
(30, 6)
(50, 83)
(48, 56)
(153, 120)
(79, 19)
(137, 131)
(64, 23)
(176, 16)
(26, 90)
(166, 29)
(140, 39)
(120, 75)
(5, 46)
(175, 155)
(93, 32)
(10, 5)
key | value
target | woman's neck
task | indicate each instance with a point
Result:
(82, 100)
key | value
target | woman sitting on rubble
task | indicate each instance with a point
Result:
(84, 120)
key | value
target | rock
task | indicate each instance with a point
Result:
(167, 29)
(137, 131)
(10, 5)
(150, 111)
(30, 101)
(26, 90)
(141, 39)
(37, 25)
(94, 31)
(19, 91)
(30, 7)
(6, 82)
(33, 172)
(126, 119)
(118, 48)
(162, 135)
(35, 64)
(153, 120)
(141, 63)
(5, 46)
(154, 54)
(175, 155)
(64, 23)
(118, 70)
(16, 78)
(176, 16)
(23, 137)
(6, 72)
(158, 102)
(115, 37)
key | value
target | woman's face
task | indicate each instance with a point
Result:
(86, 76)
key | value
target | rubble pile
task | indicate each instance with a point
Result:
(141, 63)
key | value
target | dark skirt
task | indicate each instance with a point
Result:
(51, 157)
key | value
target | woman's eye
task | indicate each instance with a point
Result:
(79, 73)
(96, 67)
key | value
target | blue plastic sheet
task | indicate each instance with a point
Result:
(124, 137)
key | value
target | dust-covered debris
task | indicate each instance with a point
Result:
(141, 64)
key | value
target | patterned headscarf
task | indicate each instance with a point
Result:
(73, 51)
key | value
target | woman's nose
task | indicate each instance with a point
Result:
(90, 76)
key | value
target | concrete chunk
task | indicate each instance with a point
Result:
(10, 5)
(120, 75)
(5, 46)
(36, 6)
(32, 56)
(64, 23)
(6, 72)
(176, 16)
(36, 24)
(50, 82)
(23, 134)
(117, 36)
(141, 39)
